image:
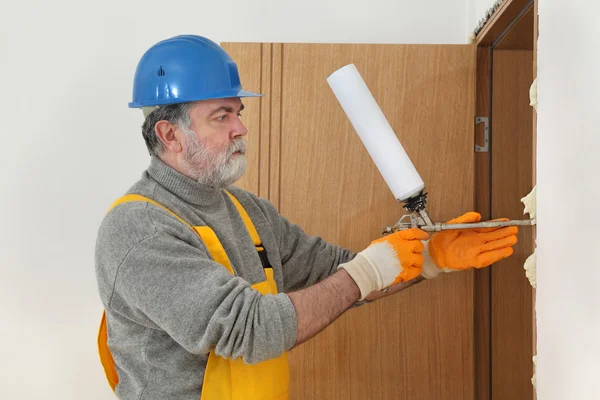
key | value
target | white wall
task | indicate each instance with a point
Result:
(476, 11)
(568, 295)
(70, 146)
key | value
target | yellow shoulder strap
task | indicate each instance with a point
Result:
(137, 197)
(208, 236)
(246, 218)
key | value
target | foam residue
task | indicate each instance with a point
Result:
(533, 101)
(530, 266)
(529, 202)
(533, 379)
(530, 269)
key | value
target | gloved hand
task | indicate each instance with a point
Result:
(392, 259)
(464, 249)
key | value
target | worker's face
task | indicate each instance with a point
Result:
(214, 152)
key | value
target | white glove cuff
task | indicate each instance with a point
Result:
(363, 273)
(430, 270)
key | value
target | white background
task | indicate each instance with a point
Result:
(568, 295)
(70, 146)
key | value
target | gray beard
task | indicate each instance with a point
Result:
(218, 170)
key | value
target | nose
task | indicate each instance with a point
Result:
(238, 128)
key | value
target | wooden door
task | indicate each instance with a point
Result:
(417, 344)
(512, 178)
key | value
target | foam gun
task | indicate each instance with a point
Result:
(390, 157)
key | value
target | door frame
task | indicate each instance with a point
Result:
(505, 30)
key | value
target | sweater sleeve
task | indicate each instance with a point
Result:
(168, 282)
(306, 259)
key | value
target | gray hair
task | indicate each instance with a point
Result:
(176, 114)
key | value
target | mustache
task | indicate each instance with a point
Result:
(238, 145)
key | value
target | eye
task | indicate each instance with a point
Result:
(222, 118)
(239, 115)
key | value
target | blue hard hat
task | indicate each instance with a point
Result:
(183, 69)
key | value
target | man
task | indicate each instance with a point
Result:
(206, 286)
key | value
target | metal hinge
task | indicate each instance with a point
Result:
(486, 132)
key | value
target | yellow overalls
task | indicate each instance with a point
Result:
(224, 379)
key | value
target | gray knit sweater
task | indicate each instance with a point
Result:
(168, 303)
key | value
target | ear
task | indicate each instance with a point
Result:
(166, 133)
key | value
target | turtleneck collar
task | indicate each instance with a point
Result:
(182, 186)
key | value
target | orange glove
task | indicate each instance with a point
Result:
(392, 259)
(472, 248)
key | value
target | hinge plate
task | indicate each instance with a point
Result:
(486, 132)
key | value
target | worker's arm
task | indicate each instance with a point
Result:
(393, 259)
(309, 259)
(155, 271)
(321, 304)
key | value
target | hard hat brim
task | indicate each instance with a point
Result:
(223, 95)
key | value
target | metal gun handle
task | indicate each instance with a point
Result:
(411, 221)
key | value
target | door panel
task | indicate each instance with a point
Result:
(417, 344)
(512, 178)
